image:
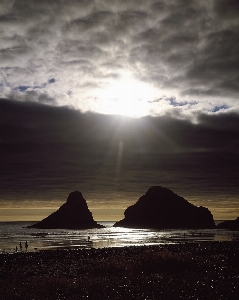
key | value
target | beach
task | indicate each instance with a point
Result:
(207, 270)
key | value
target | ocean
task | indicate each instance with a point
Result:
(12, 233)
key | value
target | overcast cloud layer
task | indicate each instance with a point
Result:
(47, 152)
(69, 68)
(75, 53)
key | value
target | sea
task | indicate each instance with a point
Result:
(12, 233)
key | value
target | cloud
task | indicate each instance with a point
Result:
(217, 132)
(48, 151)
(227, 9)
(187, 50)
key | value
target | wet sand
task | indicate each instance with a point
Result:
(186, 271)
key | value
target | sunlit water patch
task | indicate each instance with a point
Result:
(12, 233)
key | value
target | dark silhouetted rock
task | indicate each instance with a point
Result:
(160, 208)
(74, 214)
(230, 224)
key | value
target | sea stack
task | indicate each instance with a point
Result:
(160, 208)
(230, 225)
(74, 214)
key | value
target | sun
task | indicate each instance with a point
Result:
(127, 96)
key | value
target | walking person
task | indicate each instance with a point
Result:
(26, 245)
(20, 245)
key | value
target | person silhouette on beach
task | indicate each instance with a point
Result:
(20, 245)
(26, 245)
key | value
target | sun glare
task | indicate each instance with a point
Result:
(128, 97)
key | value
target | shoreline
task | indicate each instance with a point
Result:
(206, 270)
(12, 235)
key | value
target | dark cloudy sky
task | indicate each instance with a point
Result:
(111, 97)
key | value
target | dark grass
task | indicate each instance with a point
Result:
(186, 271)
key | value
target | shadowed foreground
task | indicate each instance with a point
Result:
(187, 271)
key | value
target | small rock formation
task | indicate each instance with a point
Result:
(74, 214)
(230, 225)
(160, 208)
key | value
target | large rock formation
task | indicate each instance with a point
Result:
(230, 224)
(74, 214)
(162, 209)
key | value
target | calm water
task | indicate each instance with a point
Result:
(11, 233)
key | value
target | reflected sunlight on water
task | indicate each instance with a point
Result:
(12, 233)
